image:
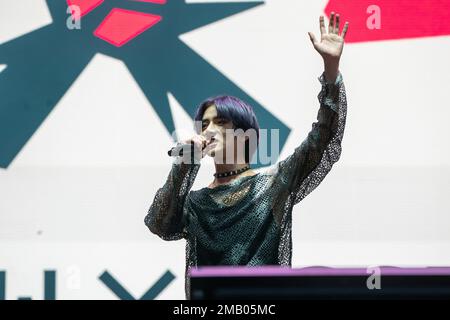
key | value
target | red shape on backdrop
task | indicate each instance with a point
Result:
(85, 6)
(120, 25)
(398, 19)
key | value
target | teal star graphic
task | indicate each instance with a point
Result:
(43, 64)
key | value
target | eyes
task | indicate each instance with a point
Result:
(217, 121)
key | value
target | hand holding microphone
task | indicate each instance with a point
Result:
(193, 146)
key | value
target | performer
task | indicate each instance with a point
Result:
(244, 217)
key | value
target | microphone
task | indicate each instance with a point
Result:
(178, 149)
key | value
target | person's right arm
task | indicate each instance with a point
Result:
(165, 215)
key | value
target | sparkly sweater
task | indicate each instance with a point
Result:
(249, 220)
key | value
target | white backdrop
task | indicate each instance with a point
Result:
(75, 197)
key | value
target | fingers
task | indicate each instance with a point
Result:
(312, 37)
(344, 31)
(322, 26)
(196, 140)
(199, 141)
(207, 149)
(331, 23)
(336, 26)
(194, 153)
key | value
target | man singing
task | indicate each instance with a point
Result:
(243, 217)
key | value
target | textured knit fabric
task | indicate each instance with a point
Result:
(248, 221)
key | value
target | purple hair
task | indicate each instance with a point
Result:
(234, 109)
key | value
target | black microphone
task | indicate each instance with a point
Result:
(178, 149)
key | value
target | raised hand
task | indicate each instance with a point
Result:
(331, 44)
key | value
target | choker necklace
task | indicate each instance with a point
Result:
(231, 173)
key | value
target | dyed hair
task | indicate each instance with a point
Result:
(237, 111)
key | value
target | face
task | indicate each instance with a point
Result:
(215, 129)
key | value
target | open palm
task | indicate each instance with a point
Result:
(331, 44)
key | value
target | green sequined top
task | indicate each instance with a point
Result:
(248, 221)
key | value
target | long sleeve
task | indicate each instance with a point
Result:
(165, 215)
(301, 172)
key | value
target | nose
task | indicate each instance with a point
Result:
(209, 135)
(210, 132)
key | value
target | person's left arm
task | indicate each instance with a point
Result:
(302, 171)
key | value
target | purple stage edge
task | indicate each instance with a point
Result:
(269, 271)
